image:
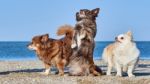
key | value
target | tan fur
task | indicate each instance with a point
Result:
(65, 29)
(122, 55)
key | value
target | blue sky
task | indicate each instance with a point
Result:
(20, 20)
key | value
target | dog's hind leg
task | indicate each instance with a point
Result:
(60, 67)
(109, 69)
(110, 65)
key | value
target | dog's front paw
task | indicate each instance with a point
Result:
(108, 74)
(131, 75)
(119, 75)
(95, 73)
(61, 74)
(44, 73)
(73, 45)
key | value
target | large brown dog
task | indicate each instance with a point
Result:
(83, 42)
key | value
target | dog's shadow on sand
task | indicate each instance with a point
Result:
(28, 71)
(143, 71)
(22, 71)
(139, 72)
(144, 65)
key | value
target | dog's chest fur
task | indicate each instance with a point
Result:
(88, 26)
(86, 30)
(52, 54)
(126, 54)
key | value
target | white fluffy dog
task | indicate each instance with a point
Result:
(122, 55)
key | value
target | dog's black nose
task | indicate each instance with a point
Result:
(27, 45)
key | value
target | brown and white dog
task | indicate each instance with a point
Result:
(50, 51)
(83, 43)
(122, 55)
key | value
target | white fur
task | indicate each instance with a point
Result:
(121, 56)
(73, 45)
(79, 38)
(31, 47)
(46, 72)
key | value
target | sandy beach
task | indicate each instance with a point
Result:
(29, 72)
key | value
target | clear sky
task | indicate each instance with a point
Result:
(20, 20)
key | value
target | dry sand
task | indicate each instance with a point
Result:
(28, 72)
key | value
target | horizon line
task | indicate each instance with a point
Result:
(95, 40)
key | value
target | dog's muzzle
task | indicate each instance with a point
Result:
(31, 47)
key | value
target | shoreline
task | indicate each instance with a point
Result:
(16, 72)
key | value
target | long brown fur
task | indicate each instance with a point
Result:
(68, 31)
(55, 52)
(65, 29)
(49, 51)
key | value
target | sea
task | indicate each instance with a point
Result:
(13, 51)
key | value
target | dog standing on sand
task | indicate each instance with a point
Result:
(122, 55)
(53, 52)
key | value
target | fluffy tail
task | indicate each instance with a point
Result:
(65, 30)
(104, 55)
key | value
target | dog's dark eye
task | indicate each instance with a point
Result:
(122, 38)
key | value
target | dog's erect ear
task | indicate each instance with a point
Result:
(95, 12)
(129, 33)
(45, 38)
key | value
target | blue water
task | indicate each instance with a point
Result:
(19, 51)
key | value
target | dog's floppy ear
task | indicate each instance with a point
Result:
(45, 38)
(95, 12)
(129, 33)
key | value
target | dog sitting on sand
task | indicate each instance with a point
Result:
(122, 55)
(83, 43)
